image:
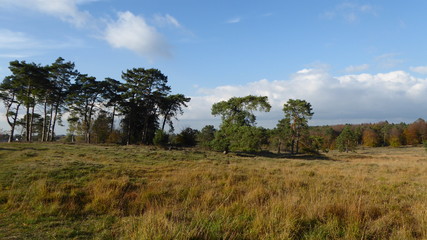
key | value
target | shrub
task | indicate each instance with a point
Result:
(161, 138)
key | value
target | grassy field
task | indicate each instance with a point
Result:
(56, 191)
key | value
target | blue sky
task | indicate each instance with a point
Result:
(355, 61)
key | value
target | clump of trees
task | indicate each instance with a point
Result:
(144, 102)
(37, 97)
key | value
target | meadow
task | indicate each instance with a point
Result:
(65, 191)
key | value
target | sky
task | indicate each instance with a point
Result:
(354, 61)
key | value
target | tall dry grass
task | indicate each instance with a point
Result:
(110, 192)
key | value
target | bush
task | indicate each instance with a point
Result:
(161, 138)
(187, 137)
(239, 138)
(205, 136)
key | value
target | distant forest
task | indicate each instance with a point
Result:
(145, 106)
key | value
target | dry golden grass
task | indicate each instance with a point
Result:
(111, 192)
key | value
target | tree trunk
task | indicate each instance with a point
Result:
(89, 121)
(27, 119)
(27, 123)
(44, 120)
(297, 145)
(129, 128)
(30, 132)
(292, 146)
(12, 124)
(164, 120)
(49, 126)
(52, 136)
(163, 124)
(112, 119)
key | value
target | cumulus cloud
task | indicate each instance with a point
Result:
(393, 96)
(128, 31)
(66, 10)
(356, 68)
(132, 32)
(419, 69)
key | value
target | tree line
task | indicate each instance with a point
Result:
(45, 93)
(143, 100)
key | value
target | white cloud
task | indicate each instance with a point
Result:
(128, 31)
(393, 96)
(419, 69)
(167, 20)
(15, 40)
(66, 10)
(133, 33)
(356, 68)
(21, 45)
(234, 20)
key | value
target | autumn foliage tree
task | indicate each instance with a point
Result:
(370, 138)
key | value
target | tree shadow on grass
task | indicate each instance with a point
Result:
(8, 149)
(301, 156)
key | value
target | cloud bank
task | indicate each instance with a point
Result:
(394, 96)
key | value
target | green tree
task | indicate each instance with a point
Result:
(239, 110)
(187, 137)
(237, 131)
(84, 99)
(145, 91)
(30, 78)
(113, 95)
(298, 112)
(170, 106)
(205, 136)
(281, 134)
(101, 128)
(9, 91)
(61, 75)
(347, 140)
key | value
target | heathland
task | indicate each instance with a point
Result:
(72, 191)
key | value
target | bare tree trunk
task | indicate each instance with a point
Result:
(27, 123)
(112, 119)
(292, 145)
(52, 136)
(129, 128)
(27, 119)
(89, 122)
(12, 124)
(164, 120)
(44, 120)
(49, 126)
(30, 132)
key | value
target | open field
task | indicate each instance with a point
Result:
(55, 191)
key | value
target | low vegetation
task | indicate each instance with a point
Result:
(67, 191)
